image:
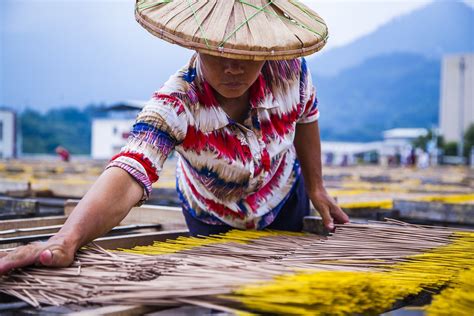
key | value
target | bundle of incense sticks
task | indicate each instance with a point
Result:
(457, 298)
(360, 269)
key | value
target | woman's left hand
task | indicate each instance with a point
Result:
(328, 209)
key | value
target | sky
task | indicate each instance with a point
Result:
(66, 52)
(358, 17)
(361, 17)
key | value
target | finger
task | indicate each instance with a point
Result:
(46, 258)
(326, 216)
(4, 263)
(21, 257)
(55, 258)
(5, 266)
(339, 215)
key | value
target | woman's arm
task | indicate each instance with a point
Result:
(308, 148)
(129, 176)
(106, 203)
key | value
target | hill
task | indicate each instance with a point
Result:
(394, 90)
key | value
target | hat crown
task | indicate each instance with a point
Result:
(241, 29)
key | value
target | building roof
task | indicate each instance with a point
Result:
(404, 133)
(350, 147)
(129, 105)
(5, 109)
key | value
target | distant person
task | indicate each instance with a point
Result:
(423, 159)
(329, 159)
(345, 160)
(397, 157)
(412, 157)
(63, 153)
(242, 116)
(406, 158)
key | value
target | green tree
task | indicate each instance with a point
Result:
(422, 141)
(69, 127)
(450, 149)
(468, 140)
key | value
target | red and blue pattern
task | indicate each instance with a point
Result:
(232, 173)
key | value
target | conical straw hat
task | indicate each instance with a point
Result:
(240, 29)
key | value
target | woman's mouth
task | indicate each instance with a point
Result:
(233, 85)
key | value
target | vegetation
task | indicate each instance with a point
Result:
(468, 140)
(69, 127)
(423, 141)
(390, 91)
(449, 148)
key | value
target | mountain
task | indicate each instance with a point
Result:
(387, 91)
(391, 77)
(443, 27)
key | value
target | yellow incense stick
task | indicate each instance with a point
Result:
(385, 204)
(453, 199)
(457, 299)
(347, 293)
(185, 243)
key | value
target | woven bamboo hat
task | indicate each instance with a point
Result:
(239, 29)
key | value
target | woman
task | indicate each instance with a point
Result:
(242, 115)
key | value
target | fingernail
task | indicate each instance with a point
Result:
(46, 257)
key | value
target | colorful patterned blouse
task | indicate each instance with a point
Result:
(227, 172)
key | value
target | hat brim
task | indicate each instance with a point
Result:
(290, 40)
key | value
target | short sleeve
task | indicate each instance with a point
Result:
(158, 128)
(310, 111)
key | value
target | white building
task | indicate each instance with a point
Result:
(110, 134)
(401, 137)
(396, 142)
(457, 96)
(348, 153)
(7, 134)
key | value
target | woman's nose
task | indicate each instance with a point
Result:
(233, 67)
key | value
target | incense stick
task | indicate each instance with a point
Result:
(199, 269)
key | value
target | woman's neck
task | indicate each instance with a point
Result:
(236, 108)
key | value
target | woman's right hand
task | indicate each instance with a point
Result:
(106, 203)
(52, 253)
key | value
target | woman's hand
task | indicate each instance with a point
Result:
(308, 148)
(328, 209)
(53, 253)
(106, 203)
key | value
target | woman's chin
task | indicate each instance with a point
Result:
(232, 93)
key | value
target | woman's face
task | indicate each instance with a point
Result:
(231, 78)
